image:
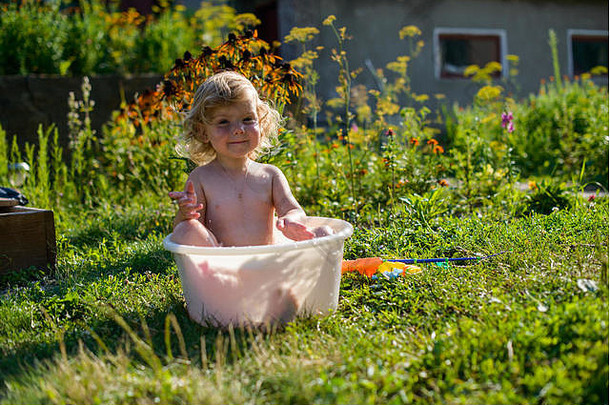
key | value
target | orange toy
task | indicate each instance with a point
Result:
(367, 266)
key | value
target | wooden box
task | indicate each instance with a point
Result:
(27, 238)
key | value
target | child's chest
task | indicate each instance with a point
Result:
(228, 198)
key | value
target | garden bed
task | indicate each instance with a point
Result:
(29, 101)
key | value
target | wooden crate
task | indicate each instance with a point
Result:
(27, 238)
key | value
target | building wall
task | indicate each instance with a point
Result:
(374, 26)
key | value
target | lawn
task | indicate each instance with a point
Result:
(505, 178)
(526, 326)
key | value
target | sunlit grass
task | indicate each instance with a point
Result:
(517, 327)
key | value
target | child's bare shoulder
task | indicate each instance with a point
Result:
(268, 169)
(201, 173)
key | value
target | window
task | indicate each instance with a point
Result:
(586, 51)
(455, 49)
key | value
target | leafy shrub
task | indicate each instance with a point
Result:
(561, 131)
(32, 38)
(378, 153)
(57, 38)
(563, 128)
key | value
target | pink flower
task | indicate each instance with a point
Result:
(507, 121)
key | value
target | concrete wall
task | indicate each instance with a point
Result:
(374, 26)
(27, 101)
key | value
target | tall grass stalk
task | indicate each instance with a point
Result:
(345, 83)
(15, 155)
(555, 56)
(60, 170)
(172, 322)
(42, 167)
(4, 159)
(31, 183)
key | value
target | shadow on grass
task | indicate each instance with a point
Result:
(220, 345)
(70, 304)
(126, 228)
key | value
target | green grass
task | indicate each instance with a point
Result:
(529, 325)
(110, 325)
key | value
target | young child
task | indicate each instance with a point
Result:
(229, 199)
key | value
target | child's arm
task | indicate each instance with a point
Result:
(290, 214)
(188, 208)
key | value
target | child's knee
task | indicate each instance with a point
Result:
(192, 232)
(324, 230)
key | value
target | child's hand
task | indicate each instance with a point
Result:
(187, 201)
(294, 230)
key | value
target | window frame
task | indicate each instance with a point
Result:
(468, 32)
(571, 33)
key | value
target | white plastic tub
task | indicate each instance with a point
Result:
(259, 285)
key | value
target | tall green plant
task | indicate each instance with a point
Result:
(339, 56)
(4, 157)
(555, 58)
(308, 104)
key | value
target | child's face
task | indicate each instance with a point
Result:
(233, 130)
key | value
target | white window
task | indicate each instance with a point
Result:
(457, 48)
(587, 50)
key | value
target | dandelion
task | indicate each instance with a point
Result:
(507, 121)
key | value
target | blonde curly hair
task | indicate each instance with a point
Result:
(219, 90)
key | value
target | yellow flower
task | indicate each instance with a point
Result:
(303, 34)
(493, 67)
(387, 107)
(599, 70)
(488, 118)
(488, 93)
(409, 31)
(247, 20)
(329, 20)
(471, 70)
